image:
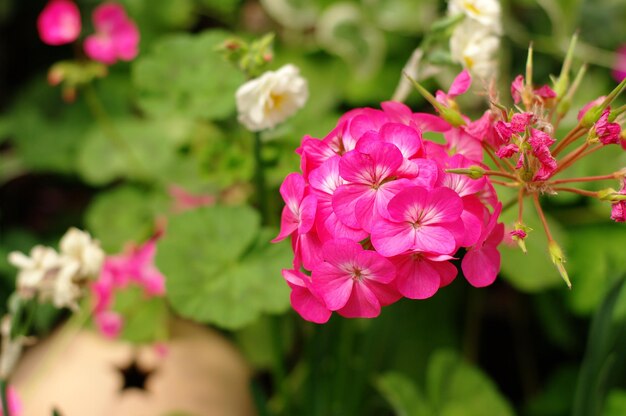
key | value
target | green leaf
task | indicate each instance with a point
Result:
(615, 403)
(604, 364)
(402, 393)
(595, 252)
(133, 148)
(221, 268)
(459, 389)
(184, 74)
(123, 214)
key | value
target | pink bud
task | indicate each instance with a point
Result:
(59, 22)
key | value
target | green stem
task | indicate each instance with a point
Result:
(278, 373)
(5, 402)
(259, 177)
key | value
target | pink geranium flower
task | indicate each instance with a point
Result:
(481, 264)
(419, 220)
(540, 143)
(304, 299)
(299, 212)
(607, 132)
(353, 281)
(518, 86)
(135, 266)
(59, 22)
(459, 86)
(116, 37)
(420, 275)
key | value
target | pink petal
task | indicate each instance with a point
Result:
(345, 199)
(59, 22)
(417, 278)
(434, 239)
(517, 86)
(333, 284)
(308, 306)
(361, 304)
(100, 48)
(109, 324)
(481, 266)
(430, 122)
(391, 238)
(460, 84)
(406, 139)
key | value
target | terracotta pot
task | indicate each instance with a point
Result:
(200, 373)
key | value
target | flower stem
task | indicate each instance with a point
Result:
(259, 177)
(504, 183)
(544, 222)
(574, 134)
(502, 174)
(570, 158)
(3, 394)
(583, 179)
(520, 205)
(583, 192)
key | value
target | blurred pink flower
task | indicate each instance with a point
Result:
(59, 22)
(116, 37)
(109, 323)
(15, 404)
(619, 69)
(184, 201)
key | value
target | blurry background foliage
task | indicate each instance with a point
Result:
(106, 161)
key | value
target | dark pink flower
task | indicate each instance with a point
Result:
(304, 299)
(481, 263)
(419, 220)
(299, 211)
(619, 69)
(116, 37)
(420, 275)
(540, 143)
(507, 151)
(353, 281)
(518, 88)
(459, 86)
(59, 22)
(607, 132)
(363, 199)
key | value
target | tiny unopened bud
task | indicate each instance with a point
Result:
(591, 116)
(519, 235)
(474, 172)
(556, 254)
(268, 57)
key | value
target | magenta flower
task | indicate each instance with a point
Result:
(137, 267)
(59, 22)
(353, 281)
(420, 220)
(459, 86)
(482, 261)
(607, 132)
(299, 212)
(116, 37)
(518, 88)
(420, 275)
(363, 200)
(619, 69)
(304, 299)
(540, 143)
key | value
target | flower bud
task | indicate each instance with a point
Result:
(558, 258)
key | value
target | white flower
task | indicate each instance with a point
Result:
(485, 12)
(270, 99)
(79, 246)
(42, 264)
(475, 47)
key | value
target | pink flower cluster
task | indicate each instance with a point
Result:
(136, 266)
(116, 37)
(374, 216)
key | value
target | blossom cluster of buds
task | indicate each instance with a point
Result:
(59, 277)
(134, 266)
(374, 216)
(378, 211)
(116, 38)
